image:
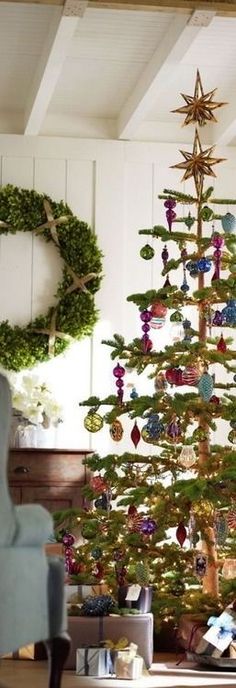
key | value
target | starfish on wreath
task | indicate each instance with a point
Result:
(199, 107)
(198, 163)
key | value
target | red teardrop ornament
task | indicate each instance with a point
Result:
(135, 435)
(132, 510)
(181, 534)
(221, 346)
(214, 399)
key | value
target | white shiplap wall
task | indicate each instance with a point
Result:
(114, 186)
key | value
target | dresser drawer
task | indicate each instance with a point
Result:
(28, 466)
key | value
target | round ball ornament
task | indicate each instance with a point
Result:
(98, 484)
(147, 252)
(228, 222)
(116, 430)
(68, 539)
(190, 376)
(158, 315)
(206, 213)
(96, 553)
(148, 526)
(89, 530)
(205, 386)
(204, 264)
(160, 382)
(152, 430)
(93, 422)
(232, 436)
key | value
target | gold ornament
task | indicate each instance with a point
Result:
(116, 430)
(198, 164)
(199, 107)
(187, 457)
(93, 422)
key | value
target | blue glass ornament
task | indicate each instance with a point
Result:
(133, 393)
(192, 267)
(228, 222)
(205, 386)
(153, 429)
(204, 264)
(96, 553)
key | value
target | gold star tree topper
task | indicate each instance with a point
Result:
(198, 163)
(199, 107)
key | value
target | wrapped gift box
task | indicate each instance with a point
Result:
(87, 631)
(221, 631)
(128, 667)
(93, 661)
(190, 631)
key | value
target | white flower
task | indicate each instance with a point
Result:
(34, 400)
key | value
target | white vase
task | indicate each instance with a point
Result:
(45, 437)
(26, 436)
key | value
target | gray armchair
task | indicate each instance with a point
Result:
(32, 605)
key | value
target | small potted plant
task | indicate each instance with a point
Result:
(137, 595)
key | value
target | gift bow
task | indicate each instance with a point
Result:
(225, 628)
(121, 644)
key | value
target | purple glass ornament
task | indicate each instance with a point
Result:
(173, 429)
(165, 255)
(68, 539)
(119, 372)
(218, 319)
(147, 345)
(170, 214)
(148, 526)
(217, 241)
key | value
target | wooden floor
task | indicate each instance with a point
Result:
(165, 673)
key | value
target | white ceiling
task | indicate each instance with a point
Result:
(76, 70)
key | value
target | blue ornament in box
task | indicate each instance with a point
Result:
(205, 386)
(228, 222)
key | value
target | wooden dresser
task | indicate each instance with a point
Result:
(51, 477)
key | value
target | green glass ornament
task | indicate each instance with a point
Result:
(90, 530)
(189, 221)
(232, 436)
(176, 317)
(147, 252)
(206, 213)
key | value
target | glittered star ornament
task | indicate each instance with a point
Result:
(199, 107)
(198, 164)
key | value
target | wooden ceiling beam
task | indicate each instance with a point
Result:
(171, 49)
(221, 7)
(51, 63)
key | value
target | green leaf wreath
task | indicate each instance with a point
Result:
(74, 314)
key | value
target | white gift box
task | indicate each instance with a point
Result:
(93, 661)
(128, 667)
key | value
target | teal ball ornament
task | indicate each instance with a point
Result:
(147, 252)
(228, 222)
(205, 386)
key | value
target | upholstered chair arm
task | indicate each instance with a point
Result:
(34, 525)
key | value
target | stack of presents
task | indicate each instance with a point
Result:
(214, 639)
(104, 642)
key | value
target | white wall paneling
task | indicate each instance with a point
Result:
(114, 186)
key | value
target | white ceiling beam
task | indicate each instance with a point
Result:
(170, 51)
(50, 65)
(225, 130)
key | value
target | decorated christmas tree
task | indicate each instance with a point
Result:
(168, 518)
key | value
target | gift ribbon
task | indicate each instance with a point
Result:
(121, 644)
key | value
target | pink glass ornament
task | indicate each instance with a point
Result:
(217, 241)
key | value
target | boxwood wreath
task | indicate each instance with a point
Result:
(74, 314)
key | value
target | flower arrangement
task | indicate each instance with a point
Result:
(34, 401)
